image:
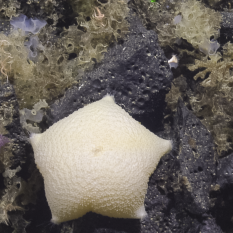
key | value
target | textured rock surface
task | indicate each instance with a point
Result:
(227, 19)
(197, 161)
(222, 194)
(178, 193)
(135, 71)
(225, 171)
(226, 27)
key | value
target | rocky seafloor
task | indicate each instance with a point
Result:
(192, 186)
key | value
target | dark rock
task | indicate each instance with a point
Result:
(209, 226)
(225, 172)
(135, 71)
(197, 161)
(227, 19)
(177, 199)
(222, 194)
(6, 229)
(226, 28)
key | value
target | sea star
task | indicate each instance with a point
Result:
(97, 159)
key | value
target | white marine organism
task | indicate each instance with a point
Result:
(97, 159)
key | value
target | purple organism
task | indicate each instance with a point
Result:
(3, 140)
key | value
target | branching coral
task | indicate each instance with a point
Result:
(6, 58)
(61, 57)
(188, 19)
(13, 57)
(107, 24)
(212, 98)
